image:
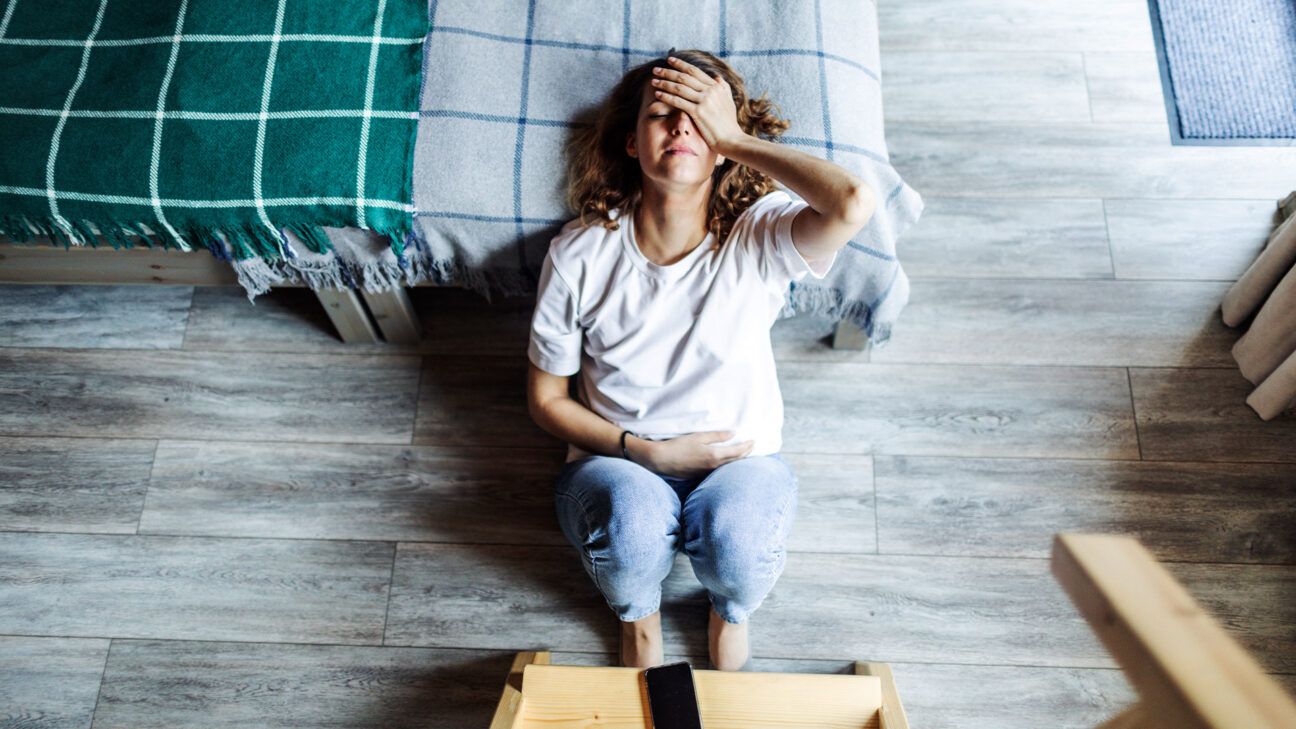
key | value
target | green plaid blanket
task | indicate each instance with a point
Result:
(216, 123)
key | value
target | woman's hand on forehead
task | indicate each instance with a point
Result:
(708, 100)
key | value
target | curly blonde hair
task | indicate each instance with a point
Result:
(603, 177)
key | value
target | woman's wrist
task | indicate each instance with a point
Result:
(639, 449)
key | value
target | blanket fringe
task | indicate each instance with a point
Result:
(409, 270)
(830, 304)
(230, 243)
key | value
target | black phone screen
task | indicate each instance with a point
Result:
(671, 697)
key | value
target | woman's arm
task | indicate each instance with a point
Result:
(840, 203)
(554, 410)
(557, 413)
(828, 188)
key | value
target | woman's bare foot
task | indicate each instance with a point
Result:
(729, 647)
(641, 642)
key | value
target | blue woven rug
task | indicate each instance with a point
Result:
(1229, 68)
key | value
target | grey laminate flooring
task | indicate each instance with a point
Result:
(213, 514)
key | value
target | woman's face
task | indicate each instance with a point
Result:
(662, 127)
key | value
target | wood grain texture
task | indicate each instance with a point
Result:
(1184, 665)
(283, 320)
(394, 315)
(954, 696)
(936, 609)
(992, 697)
(1125, 87)
(477, 401)
(93, 317)
(434, 494)
(429, 687)
(51, 683)
(73, 484)
(1012, 507)
(368, 492)
(170, 684)
(835, 504)
(47, 262)
(1021, 159)
(347, 312)
(1020, 238)
(451, 688)
(1014, 25)
(1213, 240)
(452, 321)
(1068, 412)
(892, 608)
(192, 588)
(238, 396)
(976, 85)
(1201, 414)
(1063, 322)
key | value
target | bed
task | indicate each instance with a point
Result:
(505, 83)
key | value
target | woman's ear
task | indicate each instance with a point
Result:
(630, 148)
(720, 159)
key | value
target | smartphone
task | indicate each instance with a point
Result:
(671, 698)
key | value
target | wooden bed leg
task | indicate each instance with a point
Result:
(348, 315)
(395, 316)
(1287, 206)
(892, 713)
(848, 336)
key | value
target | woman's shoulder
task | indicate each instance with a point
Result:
(578, 245)
(574, 231)
(762, 212)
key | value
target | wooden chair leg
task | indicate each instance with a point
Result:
(892, 713)
(348, 315)
(848, 336)
(395, 316)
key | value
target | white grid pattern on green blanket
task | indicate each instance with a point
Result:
(159, 115)
(261, 118)
(67, 104)
(158, 119)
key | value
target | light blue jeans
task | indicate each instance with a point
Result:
(628, 522)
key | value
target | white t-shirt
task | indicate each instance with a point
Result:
(664, 351)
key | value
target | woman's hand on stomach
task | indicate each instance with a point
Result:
(690, 455)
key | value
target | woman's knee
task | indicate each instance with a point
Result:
(631, 507)
(743, 524)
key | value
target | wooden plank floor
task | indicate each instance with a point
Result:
(213, 514)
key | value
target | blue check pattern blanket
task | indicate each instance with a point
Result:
(504, 83)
